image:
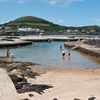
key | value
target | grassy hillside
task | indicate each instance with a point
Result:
(50, 27)
(29, 20)
(34, 22)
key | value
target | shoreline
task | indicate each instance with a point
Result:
(47, 68)
(67, 83)
(60, 83)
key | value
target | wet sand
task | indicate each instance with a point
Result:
(67, 84)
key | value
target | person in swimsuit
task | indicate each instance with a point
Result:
(63, 53)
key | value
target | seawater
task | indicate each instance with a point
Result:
(49, 55)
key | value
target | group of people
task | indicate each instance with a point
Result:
(64, 53)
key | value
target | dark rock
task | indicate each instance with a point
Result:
(17, 79)
(31, 95)
(55, 99)
(23, 85)
(26, 87)
(25, 99)
(21, 66)
(39, 88)
(92, 98)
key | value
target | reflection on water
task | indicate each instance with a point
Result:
(49, 54)
(69, 58)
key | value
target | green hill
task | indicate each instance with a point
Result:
(50, 27)
(29, 20)
(34, 22)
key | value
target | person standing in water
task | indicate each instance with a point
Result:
(11, 55)
(60, 47)
(8, 53)
(68, 52)
(68, 55)
(63, 54)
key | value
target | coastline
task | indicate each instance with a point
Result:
(69, 83)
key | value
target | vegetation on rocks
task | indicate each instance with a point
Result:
(23, 86)
(20, 67)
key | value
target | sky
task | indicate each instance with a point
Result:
(63, 12)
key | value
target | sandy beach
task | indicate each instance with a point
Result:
(67, 84)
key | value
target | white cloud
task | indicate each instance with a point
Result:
(21, 1)
(51, 2)
(62, 2)
(18, 1)
(97, 19)
(3, 0)
(60, 21)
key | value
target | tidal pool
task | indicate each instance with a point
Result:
(49, 55)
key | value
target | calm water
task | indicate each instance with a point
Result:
(49, 55)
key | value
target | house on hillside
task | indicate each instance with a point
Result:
(92, 31)
(30, 30)
(69, 31)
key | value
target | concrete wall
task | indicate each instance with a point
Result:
(90, 52)
(7, 89)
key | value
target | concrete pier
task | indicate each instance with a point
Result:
(26, 40)
(47, 38)
(88, 49)
(18, 42)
